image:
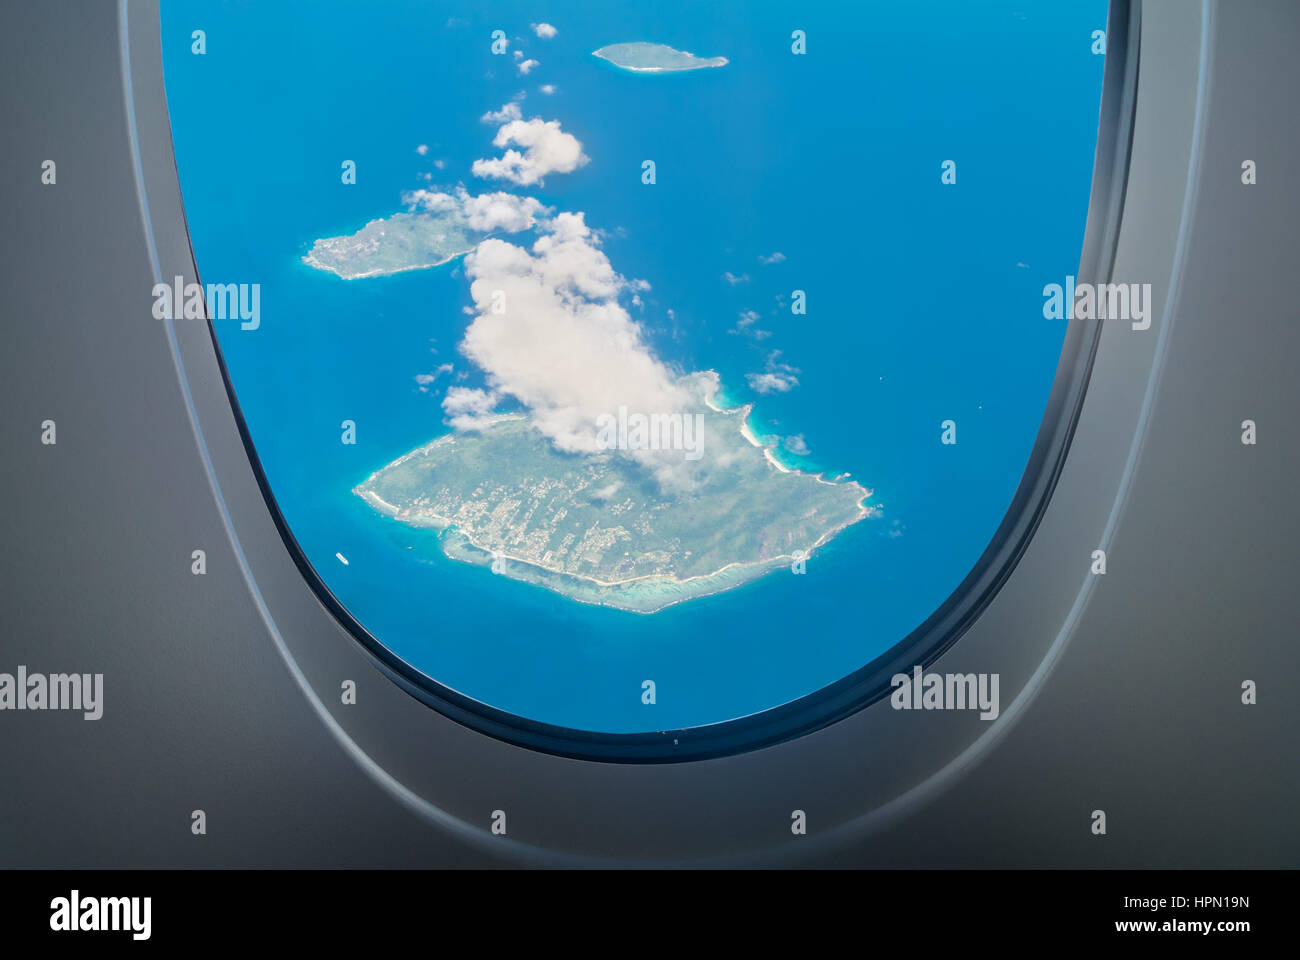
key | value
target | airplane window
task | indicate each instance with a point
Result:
(643, 367)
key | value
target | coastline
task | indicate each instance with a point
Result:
(648, 593)
(315, 264)
(641, 595)
(747, 431)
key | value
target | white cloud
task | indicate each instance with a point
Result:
(564, 347)
(422, 149)
(432, 200)
(776, 256)
(508, 112)
(770, 382)
(605, 492)
(547, 88)
(745, 324)
(468, 408)
(486, 212)
(778, 377)
(544, 30)
(526, 67)
(547, 149)
(797, 445)
(732, 279)
(426, 380)
(489, 212)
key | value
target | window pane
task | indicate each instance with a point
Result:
(574, 371)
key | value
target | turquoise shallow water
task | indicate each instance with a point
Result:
(924, 300)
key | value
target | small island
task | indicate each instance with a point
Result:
(654, 58)
(598, 528)
(404, 241)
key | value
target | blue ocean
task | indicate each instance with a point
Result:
(924, 299)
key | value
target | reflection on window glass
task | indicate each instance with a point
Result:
(645, 366)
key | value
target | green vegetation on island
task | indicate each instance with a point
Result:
(598, 528)
(404, 241)
(654, 58)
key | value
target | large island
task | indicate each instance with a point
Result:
(598, 528)
(404, 241)
(644, 57)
